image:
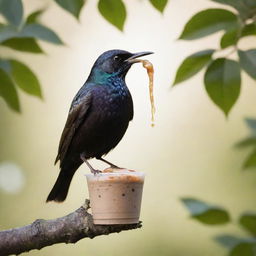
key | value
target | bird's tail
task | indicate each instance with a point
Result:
(60, 189)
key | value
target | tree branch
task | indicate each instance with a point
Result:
(68, 229)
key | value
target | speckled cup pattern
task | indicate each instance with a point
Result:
(115, 197)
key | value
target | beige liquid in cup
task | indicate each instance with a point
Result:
(115, 196)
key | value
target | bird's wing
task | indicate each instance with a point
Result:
(76, 116)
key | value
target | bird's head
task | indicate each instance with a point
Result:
(116, 62)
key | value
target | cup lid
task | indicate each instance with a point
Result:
(117, 174)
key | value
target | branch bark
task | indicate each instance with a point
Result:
(68, 229)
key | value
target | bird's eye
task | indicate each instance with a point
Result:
(116, 58)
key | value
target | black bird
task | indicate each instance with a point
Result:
(98, 117)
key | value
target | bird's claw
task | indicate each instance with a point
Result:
(95, 172)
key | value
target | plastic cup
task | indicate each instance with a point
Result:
(115, 196)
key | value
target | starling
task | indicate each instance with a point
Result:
(98, 118)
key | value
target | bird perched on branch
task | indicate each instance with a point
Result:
(98, 118)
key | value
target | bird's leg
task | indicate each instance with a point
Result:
(90, 167)
(107, 162)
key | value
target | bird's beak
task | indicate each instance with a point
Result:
(133, 58)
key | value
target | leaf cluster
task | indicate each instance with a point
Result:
(114, 11)
(249, 142)
(215, 215)
(222, 75)
(21, 34)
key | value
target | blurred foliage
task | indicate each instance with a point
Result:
(74, 6)
(22, 34)
(113, 11)
(206, 213)
(213, 215)
(237, 246)
(222, 78)
(249, 142)
(159, 4)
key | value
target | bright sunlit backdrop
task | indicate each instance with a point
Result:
(188, 152)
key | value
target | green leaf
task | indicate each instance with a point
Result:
(205, 213)
(23, 44)
(229, 38)
(251, 141)
(208, 22)
(113, 11)
(243, 249)
(248, 61)
(250, 162)
(248, 3)
(248, 222)
(40, 32)
(238, 4)
(251, 123)
(12, 10)
(74, 6)
(34, 30)
(159, 4)
(8, 91)
(228, 241)
(232, 36)
(192, 65)
(238, 246)
(249, 30)
(5, 65)
(213, 217)
(244, 7)
(7, 32)
(25, 78)
(32, 18)
(222, 82)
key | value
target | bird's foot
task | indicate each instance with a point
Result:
(95, 172)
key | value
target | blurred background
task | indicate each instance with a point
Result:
(189, 153)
